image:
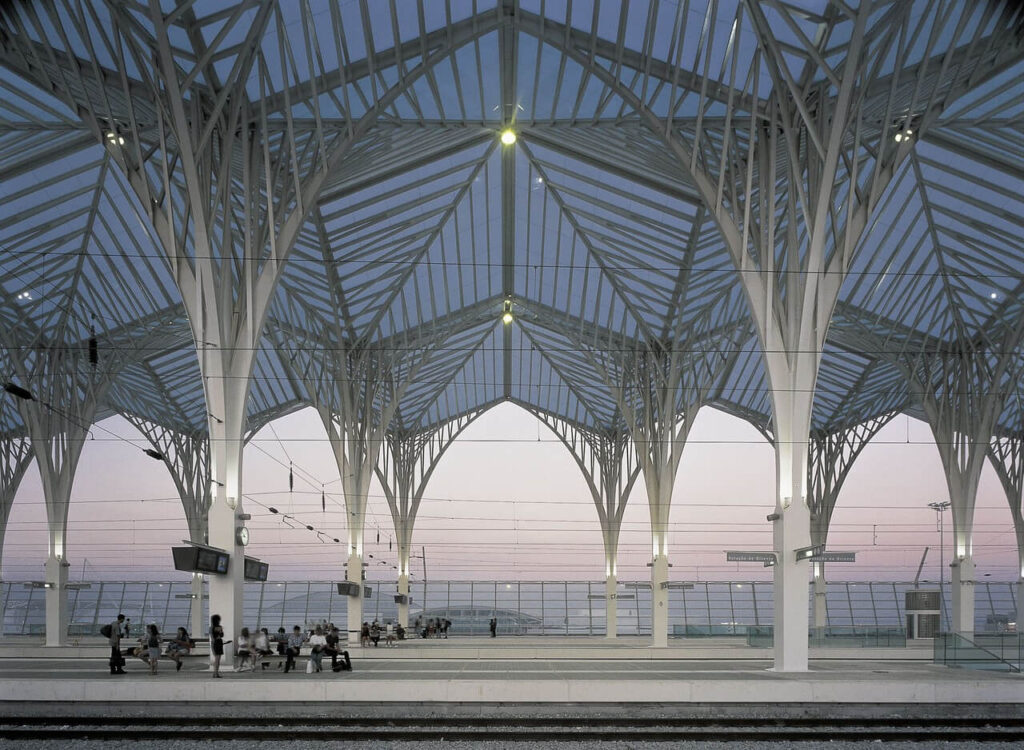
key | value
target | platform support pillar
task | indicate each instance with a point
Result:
(820, 602)
(611, 629)
(354, 574)
(195, 616)
(403, 590)
(56, 601)
(963, 596)
(659, 601)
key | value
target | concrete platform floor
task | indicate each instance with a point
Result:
(519, 670)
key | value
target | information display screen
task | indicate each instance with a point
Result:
(256, 570)
(185, 558)
(200, 560)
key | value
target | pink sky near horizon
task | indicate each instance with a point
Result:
(507, 502)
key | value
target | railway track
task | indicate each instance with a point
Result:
(531, 730)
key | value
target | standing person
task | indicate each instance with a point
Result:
(153, 645)
(447, 624)
(494, 627)
(114, 638)
(389, 633)
(216, 643)
(294, 646)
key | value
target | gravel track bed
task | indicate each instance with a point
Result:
(614, 745)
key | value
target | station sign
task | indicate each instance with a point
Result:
(740, 556)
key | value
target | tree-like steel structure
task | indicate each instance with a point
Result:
(613, 214)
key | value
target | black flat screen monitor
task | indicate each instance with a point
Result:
(185, 558)
(256, 570)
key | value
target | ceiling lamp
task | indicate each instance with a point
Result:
(508, 136)
(506, 316)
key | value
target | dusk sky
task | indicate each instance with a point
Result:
(508, 502)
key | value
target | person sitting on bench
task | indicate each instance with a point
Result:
(295, 641)
(261, 646)
(334, 649)
(178, 647)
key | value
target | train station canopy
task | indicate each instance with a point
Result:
(572, 167)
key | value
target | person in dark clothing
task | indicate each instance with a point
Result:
(494, 627)
(216, 643)
(295, 641)
(116, 660)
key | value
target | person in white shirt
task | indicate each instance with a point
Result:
(244, 651)
(389, 634)
(317, 643)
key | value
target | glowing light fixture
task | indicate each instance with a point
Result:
(508, 136)
(506, 316)
(114, 139)
(24, 296)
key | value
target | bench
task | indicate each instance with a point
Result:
(300, 661)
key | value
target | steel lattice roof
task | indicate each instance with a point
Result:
(591, 225)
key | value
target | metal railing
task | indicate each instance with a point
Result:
(1000, 652)
(836, 637)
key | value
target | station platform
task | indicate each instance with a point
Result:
(519, 670)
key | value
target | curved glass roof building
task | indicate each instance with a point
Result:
(806, 214)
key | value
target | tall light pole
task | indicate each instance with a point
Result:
(938, 508)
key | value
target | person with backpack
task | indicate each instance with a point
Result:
(112, 632)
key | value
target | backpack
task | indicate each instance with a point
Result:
(106, 631)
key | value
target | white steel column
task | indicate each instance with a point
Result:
(403, 590)
(407, 461)
(15, 457)
(354, 574)
(1006, 454)
(611, 602)
(186, 454)
(962, 585)
(227, 387)
(792, 375)
(58, 420)
(659, 592)
(196, 621)
(609, 463)
(56, 600)
(820, 596)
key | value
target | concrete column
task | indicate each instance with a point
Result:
(1020, 605)
(403, 589)
(962, 585)
(659, 601)
(611, 606)
(354, 574)
(56, 601)
(197, 623)
(792, 399)
(820, 591)
(790, 590)
(226, 395)
(226, 591)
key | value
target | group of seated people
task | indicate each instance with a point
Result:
(252, 650)
(177, 647)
